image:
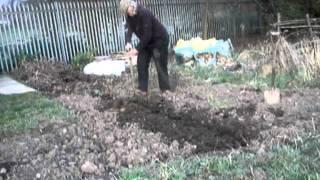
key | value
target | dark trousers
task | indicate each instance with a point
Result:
(160, 57)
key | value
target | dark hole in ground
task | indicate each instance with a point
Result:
(219, 130)
(278, 112)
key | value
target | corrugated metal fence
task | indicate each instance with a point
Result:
(61, 30)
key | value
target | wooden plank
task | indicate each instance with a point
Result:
(298, 27)
(296, 22)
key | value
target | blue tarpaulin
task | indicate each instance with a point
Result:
(222, 47)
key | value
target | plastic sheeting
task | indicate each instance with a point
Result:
(106, 67)
(196, 46)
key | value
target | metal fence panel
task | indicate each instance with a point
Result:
(60, 30)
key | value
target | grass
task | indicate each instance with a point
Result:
(25, 111)
(299, 161)
(256, 80)
(212, 74)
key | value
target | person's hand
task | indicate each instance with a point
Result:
(132, 52)
(128, 47)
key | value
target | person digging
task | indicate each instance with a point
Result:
(154, 42)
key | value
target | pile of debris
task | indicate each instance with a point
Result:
(206, 52)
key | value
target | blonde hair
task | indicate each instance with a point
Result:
(124, 5)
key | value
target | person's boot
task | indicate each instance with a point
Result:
(166, 93)
(141, 93)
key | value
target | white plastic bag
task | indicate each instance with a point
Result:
(105, 67)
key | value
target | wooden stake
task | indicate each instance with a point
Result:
(309, 25)
(131, 74)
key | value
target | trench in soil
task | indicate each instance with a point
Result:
(208, 130)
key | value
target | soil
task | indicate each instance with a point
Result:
(208, 131)
(115, 128)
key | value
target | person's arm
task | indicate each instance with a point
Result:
(128, 33)
(146, 31)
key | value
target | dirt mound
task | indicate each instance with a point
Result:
(55, 78)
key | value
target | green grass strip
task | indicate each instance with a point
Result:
(301, 161)
(25, 111)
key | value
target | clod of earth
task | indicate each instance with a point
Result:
(89, 167)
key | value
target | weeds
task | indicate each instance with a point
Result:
(311, 63)
(284, 56)
(23, 57)
(81, 60)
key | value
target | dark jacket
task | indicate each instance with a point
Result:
(147, 28)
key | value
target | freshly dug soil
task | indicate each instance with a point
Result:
(115, 128)
(208, 131)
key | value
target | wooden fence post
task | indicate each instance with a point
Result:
(309, 25)
(278, 23)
